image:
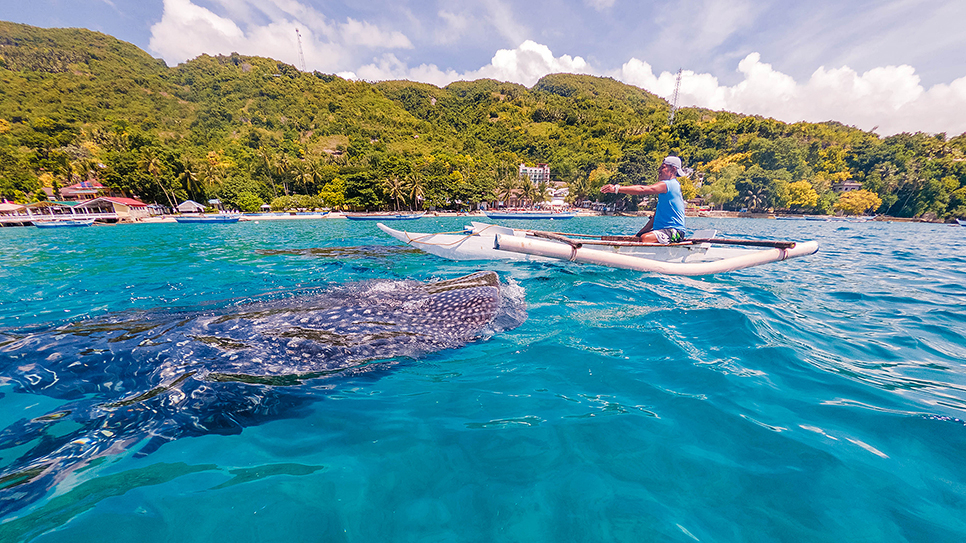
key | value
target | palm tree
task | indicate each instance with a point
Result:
(529, 192)
(86, 169)
(579, 187)
(151, 163)
(303, 176)
(910, 182)
(394, 187)
(415, 188)
(210, 172)
(543, 192)
(268, 161)
(283, 169)
(189, 178)
(505, 187)
(317, 174)
(754, 198)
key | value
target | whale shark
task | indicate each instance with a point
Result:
(131, 382)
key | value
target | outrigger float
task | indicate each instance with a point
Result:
(702, 254)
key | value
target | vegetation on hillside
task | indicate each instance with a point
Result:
(78, 105)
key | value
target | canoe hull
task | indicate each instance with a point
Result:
(209, 219)
(396, 217)
(549, 249)
(530, 216)
(64, 223)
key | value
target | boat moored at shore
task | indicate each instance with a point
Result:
(216, 219)
(383, 216)
(63, 223)
(530, 215)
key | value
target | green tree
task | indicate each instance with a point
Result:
(394, 189)
(755, 198)
(248, 202)
(189, 180)
(688, 190)
(152, 165)
(332, 194)
(721, 188)
(542, 193)
(529, 192)
(505, 188)
(415, 189)
(802, 195)
(858, 202)
(578, 189)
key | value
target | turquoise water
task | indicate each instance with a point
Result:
(817, 399)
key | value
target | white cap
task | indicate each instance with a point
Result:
(676, 162)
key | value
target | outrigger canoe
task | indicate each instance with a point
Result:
(383, 216)
(208, 219)
(63, 223)
(530, 215)
(702, 254)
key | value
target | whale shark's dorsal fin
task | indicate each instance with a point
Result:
(478, 279)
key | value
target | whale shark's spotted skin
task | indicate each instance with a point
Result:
(175, 374)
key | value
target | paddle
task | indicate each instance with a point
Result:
(559, 236)
(721, 241)
(749, 242)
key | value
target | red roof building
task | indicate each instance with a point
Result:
(85, 190)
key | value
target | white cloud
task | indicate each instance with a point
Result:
(453, 27)
(890, 98)
(267, 28)
(720, 20)
(388, 67)
(362, 33)
(600, 5)
(528, 63)
(504, 21)
(187, 30)
(525, 65)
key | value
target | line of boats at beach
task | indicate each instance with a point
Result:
(823, 218)
(228, 218)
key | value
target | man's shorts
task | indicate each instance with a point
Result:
(669, 235)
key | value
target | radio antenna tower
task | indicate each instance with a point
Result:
(674, 99)
(302, 56)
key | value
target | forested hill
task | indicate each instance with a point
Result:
(76, 104)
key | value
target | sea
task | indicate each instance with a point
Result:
(817, 399)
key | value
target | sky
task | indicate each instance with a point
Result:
(885, 65)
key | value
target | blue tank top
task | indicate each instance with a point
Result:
(670, 207)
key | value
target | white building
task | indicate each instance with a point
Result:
(536, 175)
(846, 186)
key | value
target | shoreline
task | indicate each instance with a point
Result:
(168, 219)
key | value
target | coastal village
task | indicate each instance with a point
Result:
(91, 200)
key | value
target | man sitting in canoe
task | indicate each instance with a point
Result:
(667, 223)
